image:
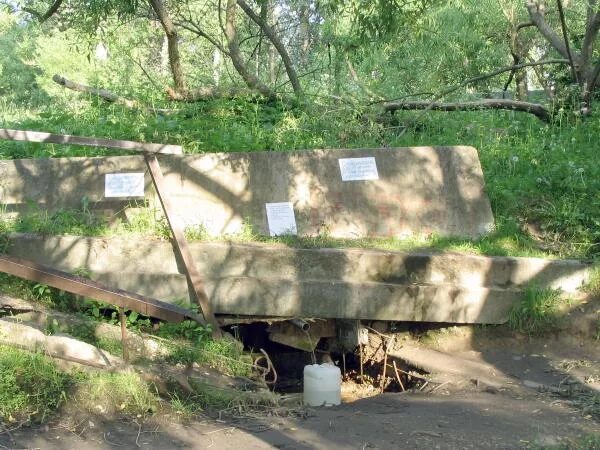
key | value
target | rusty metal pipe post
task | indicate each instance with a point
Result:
(123, 334)
(176, 225)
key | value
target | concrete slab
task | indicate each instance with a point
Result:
(418, 190)
(264, 280)
(218, 260)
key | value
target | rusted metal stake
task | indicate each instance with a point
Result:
(361, 364)
(176, 225)
(50, 138)
(123, 334)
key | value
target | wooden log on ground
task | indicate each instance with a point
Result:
(540, 111)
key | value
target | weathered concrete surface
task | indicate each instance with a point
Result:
(66, 347)
(420, 189)
(219, 260)
(265, 280)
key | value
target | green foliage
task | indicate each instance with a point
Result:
(593, 286)
(223, 355)
(31, 387)
(107, 393)
(537, 311)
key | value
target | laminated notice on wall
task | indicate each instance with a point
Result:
(124, 184)
(356, 169)
(281, 219)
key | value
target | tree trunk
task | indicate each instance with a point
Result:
(522, 89)
(236, 55)
(585, 71)
(108, 96)
(304, 31)
(272, 36)
(172, 43)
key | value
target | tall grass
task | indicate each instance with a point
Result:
(31, 387)
(537, 311)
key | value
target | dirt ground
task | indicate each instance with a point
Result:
(520, 412)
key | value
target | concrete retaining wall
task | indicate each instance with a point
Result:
(419, 189)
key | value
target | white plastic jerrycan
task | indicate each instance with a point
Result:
(322, 385)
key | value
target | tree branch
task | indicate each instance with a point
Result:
(498, 72)
(210, 93)
(591, 32)
(195, 29)
(108, 96)
(430, 105)
(563, 26)
(49, 12)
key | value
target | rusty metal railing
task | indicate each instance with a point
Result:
(135, 302)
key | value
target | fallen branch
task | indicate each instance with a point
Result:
(540, 111)
(102, 93)
(106, 95)
(209, 93)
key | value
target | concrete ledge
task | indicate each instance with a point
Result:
(218, 260)
(266, 280)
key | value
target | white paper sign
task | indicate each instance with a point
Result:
(355, 169)
(281, 219)
(124, 185)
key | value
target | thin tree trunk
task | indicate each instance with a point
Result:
(236, 55)
(172, 43)
(304, 31)
(272, 36)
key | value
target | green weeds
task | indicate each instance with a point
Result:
(31, 387)
(587, 442)
(537, 312)
(108, 393)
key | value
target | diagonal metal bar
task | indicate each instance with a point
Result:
(50, 138)
(176, 225)
(147, 306)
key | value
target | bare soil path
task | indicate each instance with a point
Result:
(470, 418)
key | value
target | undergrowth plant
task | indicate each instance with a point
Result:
(31, 386)
(108, 393)
(537, 311)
